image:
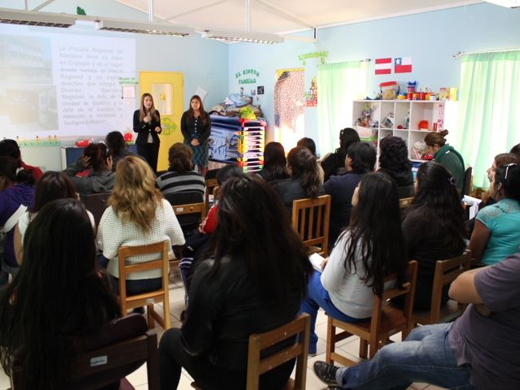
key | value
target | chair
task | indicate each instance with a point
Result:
(446, 271)
(405, 203)
(385, 322)
(406, 192)
(104, 358)
(311, 219)
(147, 299)
(189, 209)
(210, 187)
(96, 204)
(256, 365)
(466, 186)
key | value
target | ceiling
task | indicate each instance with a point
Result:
(283, 16)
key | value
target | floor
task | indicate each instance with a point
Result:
(349, 346)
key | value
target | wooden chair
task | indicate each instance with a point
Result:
(210, 187)
(385, 322)
(311, 219)
(466, 186)
(405, 203)
(257, 366)
(446, 271)
(147, 299)
(96, 204)
(104, 358)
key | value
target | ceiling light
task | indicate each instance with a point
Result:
(30, 18)
(143, 28)
(505, 3)
(240, 36)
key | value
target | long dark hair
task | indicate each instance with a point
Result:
(57, 292)
(203, 114)
(51, 186)
(115, 142)
(511, 183)
(98, 153)
(394, 154)
(303, 165)
(9, 170)
(363, 156)
(438, 202)
(347, 137)
(278, 263)
(275, 163)
(375, 232)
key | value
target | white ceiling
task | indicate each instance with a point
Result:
(299, 14)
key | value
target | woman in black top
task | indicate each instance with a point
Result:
(394, 162)
(147, 123)
(335, 162)
(275, 163)
(196, 129)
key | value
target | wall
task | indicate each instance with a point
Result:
(203, 62)
(431, 39)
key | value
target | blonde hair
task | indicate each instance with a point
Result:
(142, 109)
(135, 197)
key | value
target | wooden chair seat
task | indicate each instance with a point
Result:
(311, 220)
(392, 321)
(448, 313)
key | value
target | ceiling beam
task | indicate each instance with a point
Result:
(42, 5)
(192, 11)
(285, 14)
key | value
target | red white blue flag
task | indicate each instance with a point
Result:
(403, 65)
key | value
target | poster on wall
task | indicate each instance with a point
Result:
(289, 106)
(163, 97)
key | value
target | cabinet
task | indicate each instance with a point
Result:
(407, 114)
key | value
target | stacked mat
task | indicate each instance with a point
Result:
(236, 140)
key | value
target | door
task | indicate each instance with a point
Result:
(167, 89)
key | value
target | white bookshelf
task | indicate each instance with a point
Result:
(442, 113)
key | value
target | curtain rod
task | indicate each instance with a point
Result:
(462, 53)
(340, 62)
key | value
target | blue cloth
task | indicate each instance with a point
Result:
(502, 220)
(426, 356)
(318, 297)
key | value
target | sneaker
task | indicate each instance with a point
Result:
(326, 373)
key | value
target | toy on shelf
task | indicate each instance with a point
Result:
(129, 137)
(411, 89)
(83, 143)
(424, 125)
(389, 121)
(418, 150)
(389, 90)
(365, 116)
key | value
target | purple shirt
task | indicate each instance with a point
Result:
(491, 344)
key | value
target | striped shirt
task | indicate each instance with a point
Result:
(173, 181)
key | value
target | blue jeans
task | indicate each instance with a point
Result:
(425, 356)
(318, 297)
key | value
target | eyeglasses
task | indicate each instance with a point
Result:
(507, 168)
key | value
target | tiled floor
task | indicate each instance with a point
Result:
(349, 346)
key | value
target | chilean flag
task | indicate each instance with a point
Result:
(383, 66)
(403, 65)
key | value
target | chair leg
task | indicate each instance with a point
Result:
(374, 346)
(151, 321)
(331, 340)
(363, 348)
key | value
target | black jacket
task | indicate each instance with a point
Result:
(291, 190)
(192, 129)
(225, 310)
(143, 129)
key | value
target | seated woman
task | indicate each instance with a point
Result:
(51, 186)
(368, 250)
(334, 163)
(251, 282)
(305, 179)
(496, 234)
(434, 228)
(394, 161)
(446, 155)
(16, 195)
(311, 145)
(101, 178)
(117, 145)
(275, 163)
(57, 293)
(137, 215)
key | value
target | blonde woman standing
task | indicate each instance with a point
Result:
(147, 124)
(137, 215)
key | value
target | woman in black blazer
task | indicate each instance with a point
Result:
(196, 129)
(147, 123)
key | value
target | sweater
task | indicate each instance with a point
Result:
(113, 233)
(448, 157)
(174, 181)
(144, 129)
(94, 183)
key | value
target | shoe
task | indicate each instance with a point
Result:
(326, 373)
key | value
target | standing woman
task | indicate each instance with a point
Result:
(147, 123)
(196, 129)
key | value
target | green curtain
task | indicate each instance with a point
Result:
(338, 85)
(489, 112)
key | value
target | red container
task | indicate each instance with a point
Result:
(409, 95)
(422, 95)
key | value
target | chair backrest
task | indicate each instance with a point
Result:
(408, 290)
(405, 203)
(466, 186)
(311, 219)
(104, 358)
(446, 271)
(96, 204)
(406, 192)
(257, 366)
(211, 183)
(189, 208)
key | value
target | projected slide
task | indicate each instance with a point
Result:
(63, 85)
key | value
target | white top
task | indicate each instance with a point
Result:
(347, 291)
(113, 233)
(26, 218)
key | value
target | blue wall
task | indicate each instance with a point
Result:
(431, 39)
